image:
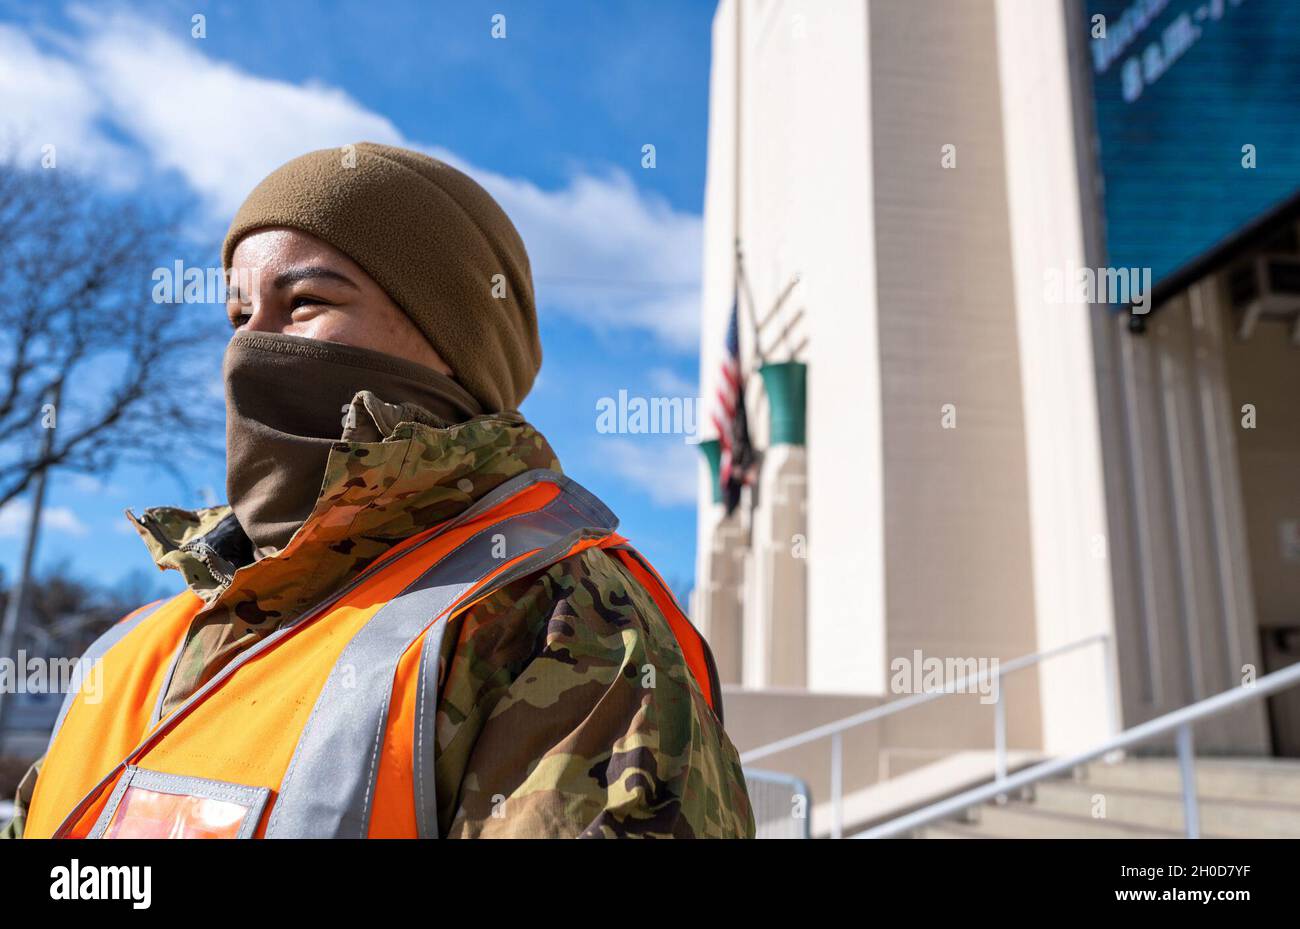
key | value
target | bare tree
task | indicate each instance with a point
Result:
(78, 322)
(66, 612)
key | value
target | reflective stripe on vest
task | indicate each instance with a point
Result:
(321, 799)
(361, 762)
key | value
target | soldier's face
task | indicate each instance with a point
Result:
(284, 280)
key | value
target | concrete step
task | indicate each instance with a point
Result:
(952, 774)
(1237, 798)
(1216, 778)
(1163, 809)
(1020, 820)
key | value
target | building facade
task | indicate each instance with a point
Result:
(1024, 429)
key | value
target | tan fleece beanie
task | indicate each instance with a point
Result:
(433, 239)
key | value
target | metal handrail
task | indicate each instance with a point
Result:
(835, 730)
(1179, 721)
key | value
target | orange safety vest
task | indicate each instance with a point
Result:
(325, 728)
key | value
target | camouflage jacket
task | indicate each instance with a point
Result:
(541, 700)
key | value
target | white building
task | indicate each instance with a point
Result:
(989, 472)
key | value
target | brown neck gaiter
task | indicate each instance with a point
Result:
(286, 399)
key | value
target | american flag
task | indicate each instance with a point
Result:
(730, 420)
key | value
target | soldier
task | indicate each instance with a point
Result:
(407, 621)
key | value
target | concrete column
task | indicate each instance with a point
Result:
(716, 602)
(1071, 579)
(777, 623)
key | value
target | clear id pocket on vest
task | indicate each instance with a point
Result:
(151, 805)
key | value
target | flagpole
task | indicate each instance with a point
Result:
(740, 280)
(735, 205)
(743, 283)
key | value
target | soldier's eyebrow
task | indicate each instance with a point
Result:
(294, 275)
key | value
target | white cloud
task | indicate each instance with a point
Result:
(48, 99)
(90, 485)
(671, 384)
(602, 251)
(85, 483)
(15, 515)
(596, 242)
(663, 468)
(220, 128)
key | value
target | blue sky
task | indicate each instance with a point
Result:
(551, 119)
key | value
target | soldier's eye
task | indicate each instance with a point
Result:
(307, 300)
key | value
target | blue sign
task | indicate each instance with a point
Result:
(1198, 121)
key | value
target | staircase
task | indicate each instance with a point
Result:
(1141, 798)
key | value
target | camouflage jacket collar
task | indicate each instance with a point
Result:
(388, 478)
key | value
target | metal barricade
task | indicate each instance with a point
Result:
(782, 805)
